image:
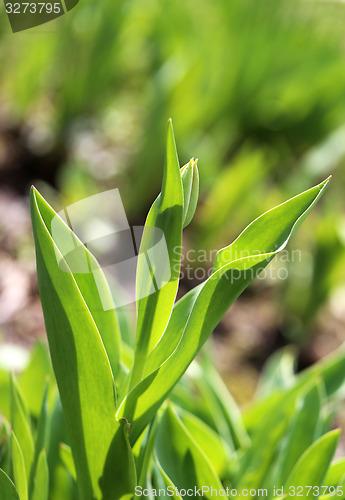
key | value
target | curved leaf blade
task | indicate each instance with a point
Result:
(272, 230)
(21, 427)
(80, 362)
(19, 472)
(312, 466)
(154, 309)
(215, 296)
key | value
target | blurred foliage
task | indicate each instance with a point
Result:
(255, 88)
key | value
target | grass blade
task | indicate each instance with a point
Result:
(154, 309)
(19, 472)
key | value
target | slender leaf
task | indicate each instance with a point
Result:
(312, 467)
(41, 437)
(67, 459)
(19, 472)
(41, 481)
(190, 183)
(272, 230)
(303, 431)
(173, 332)
(21, 427)
(214, 298)
(155, 306)
(80, 362)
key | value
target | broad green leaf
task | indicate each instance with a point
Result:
(104, 316)
(190, 183)
(7, 489)
(312, 466)
(180, 457)
(41, 481)
(73, 258)
(214, 298)
(155, 306)
(80, 362)
(18, 465)
(67, 459)
(21, 426)
(303, 431)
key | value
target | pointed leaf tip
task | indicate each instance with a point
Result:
(190, 183)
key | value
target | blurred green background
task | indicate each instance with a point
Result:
(256, 91)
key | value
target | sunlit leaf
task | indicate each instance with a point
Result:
(215, 296)
(80, 361)
(312, 467)
(156, 269)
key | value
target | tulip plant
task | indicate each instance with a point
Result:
(116, 420)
